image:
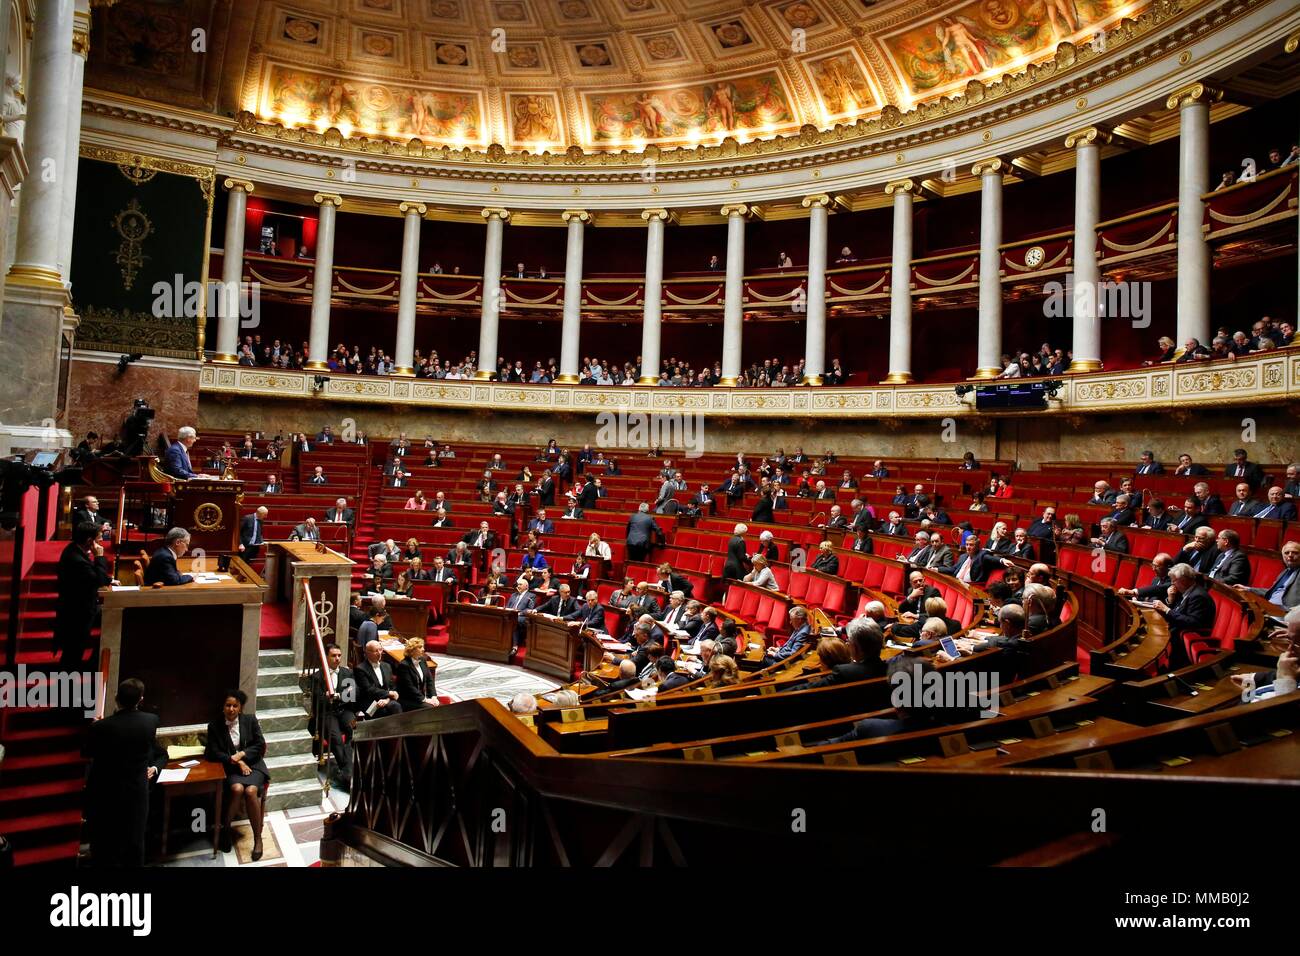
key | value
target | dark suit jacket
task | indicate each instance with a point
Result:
(589, 615)
(1283, 512)
(1235, 569)
(176, 462)
(642, 530)
(121, 748)
(349, 516)
(1187, 524)
(368, 686)
(1117, 541)
(1157, 589)
(1193, 610)
(246, 530)
(162, 567)
(560, 608)
(79, 579)
(737, 562)
(1198, 471)
(1290, 597)
(1244, 509)
(414, 685)
(763, 511)
(1202, 561)
(982, 565)
(1254, 475)
(251, 742)
(1212, 505)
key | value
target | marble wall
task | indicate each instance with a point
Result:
(1207, 436)
(99, 398)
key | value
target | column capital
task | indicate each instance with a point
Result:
(900, 185)
(1292, 42)
(243, 184)
(81, 40)
(1092, 136)
(332, 198)
(579, 214)
(995, 164)
(495, 212)
(660, 214)
(407, 207)
(735, 209)
(821, 199)
(1193, 94)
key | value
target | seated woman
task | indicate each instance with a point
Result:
(416, 571)
(402, 586)
(723, 671)
(597, 548)
(542, 581)
(826, 560)
(235, 741)
(581, 572)
(533, 559)
(551, 451)
(863, 543)
(1073, 532)
(414, 675)
(1004, 490)
(968, 462)
(761, 575)
(417, 502)
(272, 486)
(411, 549)
(1000, 540)
(525, 474)
(977, 503)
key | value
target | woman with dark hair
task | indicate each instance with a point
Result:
(763, 509)
(977, 503)
(235, 741)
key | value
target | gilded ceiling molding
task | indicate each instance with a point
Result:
(1293, 42)
(661, 214)
(994, 165)
(1092, 136)
(495, 212)
(821, 199)
(121, 157)
(734, 209)
(243, 184)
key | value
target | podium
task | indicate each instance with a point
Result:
(209, 508)
(329, 574)
(552, 645)
(482, 631)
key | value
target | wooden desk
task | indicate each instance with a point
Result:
(207, 777)
(552, 645)
(482, 631)
(209, 508)
(188, 643)
(410, 615)
(329, 574)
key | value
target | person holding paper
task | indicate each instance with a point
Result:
(235, 741)
(124, 759)
(162, 566)
(375, 694)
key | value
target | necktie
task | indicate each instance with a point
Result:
(1265, 512)
(964, 574)
(1214, 571)
(257, 531)
(1278, 591)
(1239, 471)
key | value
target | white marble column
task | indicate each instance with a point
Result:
(1193, 105)
(733, 309)
(654, 287)
(814, 352)
(322, 282)
(989, 349)
(232, 271)
(491, 314)
(1085, 280)
(36, 257)
(77, 70)
(1292, 45)
(571, 330)
(900, 284)
(407, 289)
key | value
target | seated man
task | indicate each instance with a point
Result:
(375, 693)
(1159, 585)
(162, 565)
(670, 678)
(480, 537)
(1244, 504)
(1285, 589)
(340, 513)
(440, 571)
(627, 677)
(800, 634)
(908, 718)
(562, 604)
(1270, 683)
(1231, 567)
(1278, 508)
(590, 614)
(1188, 609)
(318, 476)
(380, 573)
(307, 531)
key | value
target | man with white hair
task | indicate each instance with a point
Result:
(642, 533)
(176, 462)
(523, 704)
(1189, 609)
(836, 519)
(894, 525)
(1282, 680)
(767, 546)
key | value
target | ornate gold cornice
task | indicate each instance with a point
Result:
(1292, 42)
(661, 214)
(332, 198)
(495, 212)
(123, 158)
(243, 184)
(579, 214)
(1195, 93)
(1092, 136)
(736, 209)
(820, 199)
(994, 165)
(906, 186)
(408, 207)
(81, 42)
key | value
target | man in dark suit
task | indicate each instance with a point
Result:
(1159, 585)
(400, 478)
(1123, 515)
(1277, 508)
(572, 510)
(917, 594)
(441, 573)
(442, 519)
(162, 566)
(1241, 467)
(1191, 610)
(1200, 552)
(306, 531)
(83, 570)
(734, 488)
(326, 436)
(590, 614)
(704, 500)
(546, 490)
(250, 533)
(1103, 494)
(1111, 538)
(340, 513)
(670, 678)
(737, 562)
(562, 604)
(124, 759)
(1186, 467)
(627, 677)
(176, 460)
(895, 525)
(88, 513)
(975, 564)
(332, 718)
(1191, 518)
(1156, 518)
(591, 493)
(522, 601)
(1285, 589)
(642, 533)
(878, 470)
(1210, 503)
(541, 524)
(374, 678)
(481, 537)
(1231, 566)
(318, 476)
(862, 516)
(1244, 505)
(920, 552)
(1149, 466)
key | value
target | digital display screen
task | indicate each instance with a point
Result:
(1012, 395)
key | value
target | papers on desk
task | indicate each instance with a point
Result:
(615, 646)
(173, 776)
(190, 763)
(638, 693)
(211, 577)
(126, 587)
(393, 645)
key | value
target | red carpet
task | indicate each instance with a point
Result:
(277, 625)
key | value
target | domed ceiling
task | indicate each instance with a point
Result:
(546, 74)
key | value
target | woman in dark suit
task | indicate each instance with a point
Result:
(235, 741)
(415, 678)
(763, 510)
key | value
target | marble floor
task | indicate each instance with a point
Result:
(292, 837)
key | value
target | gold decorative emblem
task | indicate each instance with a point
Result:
(1034, 256)
(134, 227)
(208, 516)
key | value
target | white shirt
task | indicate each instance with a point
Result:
(233, 730)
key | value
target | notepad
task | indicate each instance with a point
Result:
(173, 776)
(126, 587)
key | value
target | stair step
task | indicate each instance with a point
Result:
(277, 677)
(60, 853)
(274, 658)
(284, 742)
(278, 697)
(292, 766)
(40, 821)
(295, 793)
(277, 719)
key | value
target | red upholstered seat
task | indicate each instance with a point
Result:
(836, 595)
(782, 576)
(749, 604)
(816, 590)
(1230, 623)
(893, 580)
(798, 586)
(733, 599)
(1126, 574)
(1264, 570)
(875, 574)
